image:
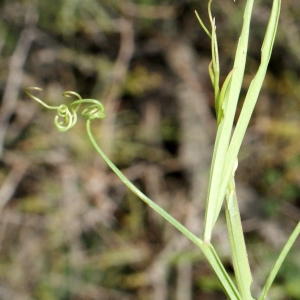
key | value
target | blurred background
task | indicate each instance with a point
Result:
(69, 229)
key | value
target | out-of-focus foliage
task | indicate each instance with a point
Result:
(68, 228)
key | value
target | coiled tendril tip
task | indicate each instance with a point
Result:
(66, 117)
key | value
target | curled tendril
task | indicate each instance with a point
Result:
(95, 110)
(66, 117)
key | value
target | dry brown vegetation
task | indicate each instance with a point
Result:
(69, 229)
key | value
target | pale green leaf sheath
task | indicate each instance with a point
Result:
(237, 241)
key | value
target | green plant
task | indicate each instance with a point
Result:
(224, 162)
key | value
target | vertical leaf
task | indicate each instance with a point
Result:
(250, 100)
(279, 261)
(214, 201)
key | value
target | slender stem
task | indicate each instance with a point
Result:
(207, 248)
(237, 242)
(142, 196)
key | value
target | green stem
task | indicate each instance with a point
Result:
(207, 248)
(237, 242)
(137, 192)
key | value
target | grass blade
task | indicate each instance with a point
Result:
(214, 203)
(279, 261)
(251, 98)
(202, 24)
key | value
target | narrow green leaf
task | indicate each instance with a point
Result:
(214, 203)
(202, 24)
(279, 262)
(251, 99)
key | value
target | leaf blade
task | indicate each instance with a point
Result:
(214, 203)
(279, 261)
